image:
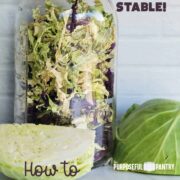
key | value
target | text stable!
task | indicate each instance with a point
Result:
(141, 6)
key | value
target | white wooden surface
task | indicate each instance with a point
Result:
(7, 21)
(149, 56)
(148, 65)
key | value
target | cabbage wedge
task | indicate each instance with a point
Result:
(46, 146)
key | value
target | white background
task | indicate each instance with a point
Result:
(149, 56)
(148, 63)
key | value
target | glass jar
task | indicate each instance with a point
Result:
(65, 59)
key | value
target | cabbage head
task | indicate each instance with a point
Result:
(150, 135)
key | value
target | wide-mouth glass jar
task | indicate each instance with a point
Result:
(65, 59)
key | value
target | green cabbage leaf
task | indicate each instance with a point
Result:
(150, 133)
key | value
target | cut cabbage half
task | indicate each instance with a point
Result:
(45, 146)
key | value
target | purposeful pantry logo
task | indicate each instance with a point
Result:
(151, 166)
(147, 166)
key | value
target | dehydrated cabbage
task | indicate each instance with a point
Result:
(69, 66)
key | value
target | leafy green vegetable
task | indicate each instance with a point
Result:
(46, 146)
(150, 133)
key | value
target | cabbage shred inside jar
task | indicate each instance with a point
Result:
(70, 69)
